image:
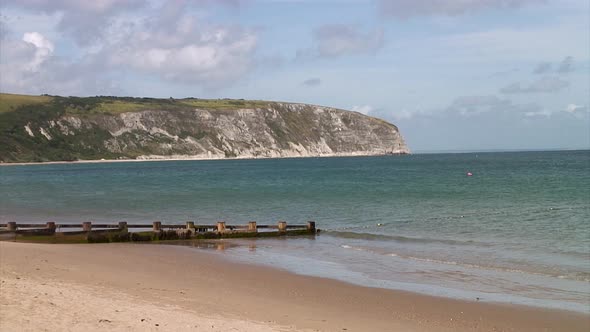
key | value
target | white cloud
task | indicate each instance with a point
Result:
(566, 65)
(22, 60)
(170, 43)
(546, 84)
(334, 40)
(85, 21)
(28, 65)
(469, 105)
(405, 114)
(513, 44)
(542, 112)
(312, 82)
(180, 48)
(364, 109)
(44, 49)
(412, 8)
(490, 122)
(542, 68)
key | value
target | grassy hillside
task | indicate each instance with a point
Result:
(11, 102)
(114, 105)
(18, 111)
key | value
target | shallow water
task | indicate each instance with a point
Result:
(518, 230)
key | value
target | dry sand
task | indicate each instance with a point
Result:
(143, 287)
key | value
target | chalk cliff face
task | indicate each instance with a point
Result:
(259, 131)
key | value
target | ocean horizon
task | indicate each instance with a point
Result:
(515, 231)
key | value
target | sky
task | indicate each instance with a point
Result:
(453, 75)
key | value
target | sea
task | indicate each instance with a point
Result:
(517, 230)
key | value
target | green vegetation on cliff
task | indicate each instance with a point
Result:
(18, 111)
(11, 102)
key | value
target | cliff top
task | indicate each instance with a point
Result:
(115, 105)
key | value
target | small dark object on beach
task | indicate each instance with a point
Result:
(477, 298)
(104, 321)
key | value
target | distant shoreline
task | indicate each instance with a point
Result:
(98, 161)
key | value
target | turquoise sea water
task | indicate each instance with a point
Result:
(518, 230)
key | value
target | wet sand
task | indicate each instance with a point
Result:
(142, 287)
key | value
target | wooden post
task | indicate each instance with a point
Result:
(311, 226)
(123, 226)
(87, 226)
(282, 226)
(221, 226)
(51, 225)
(252, 226)
(157, 226)
(11, 225)
(190, 225)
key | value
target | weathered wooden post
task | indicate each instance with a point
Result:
(123, 226)
(221, 226)
(311, 226)
(157, 226)
(87, 226)
(252, 226)
(11, 225)
(282, 226)
(190, 229)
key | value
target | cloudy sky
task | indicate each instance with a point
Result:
(452, 74)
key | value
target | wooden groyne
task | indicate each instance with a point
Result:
(156, 231)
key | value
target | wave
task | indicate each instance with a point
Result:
(396, 238)
(576, 276)
(505, 214)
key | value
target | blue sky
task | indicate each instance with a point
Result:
(452, 74)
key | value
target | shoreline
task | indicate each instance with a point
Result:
(182, 158)
(416, 286)
(97, 161)
(202, 287)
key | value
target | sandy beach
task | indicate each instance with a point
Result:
(167, 288)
